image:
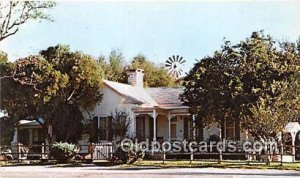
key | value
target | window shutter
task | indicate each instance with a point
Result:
(95, 129)
(109, 128)
(237, 129)
(185, 127)
(151, 128)
(199, 129)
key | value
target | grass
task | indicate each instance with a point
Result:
(227, 164)
(176, 164)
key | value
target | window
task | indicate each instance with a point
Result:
(37, 135)
(102, 125)
(188, 127)
(173, 130)
(23, 135)
(229, 129)
(191, 131)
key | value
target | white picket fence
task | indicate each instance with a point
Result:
(102, 151)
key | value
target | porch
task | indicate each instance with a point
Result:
(164, 124)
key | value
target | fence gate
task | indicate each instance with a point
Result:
(102, 151)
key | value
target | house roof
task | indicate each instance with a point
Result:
(166, 96)
(160, 96)
(135, 94)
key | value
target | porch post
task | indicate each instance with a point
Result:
(30, 137)
(169, 126)
(15, 139)
(194, 127)
(134, 128)
(154, 115)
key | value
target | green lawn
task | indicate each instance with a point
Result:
(227, 164)
(182, 164)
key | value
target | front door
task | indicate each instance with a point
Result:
(173, 130)
(140, 128)
(297, 144)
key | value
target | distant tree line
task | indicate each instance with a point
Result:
(115, 67)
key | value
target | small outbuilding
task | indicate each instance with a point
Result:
(293, 128)
(28, 137)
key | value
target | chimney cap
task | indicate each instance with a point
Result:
(135, 69)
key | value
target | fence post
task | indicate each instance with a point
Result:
(248, 156)
(19, 151)
(220, 155)
(192, 156)
(111, 150)
(164, 157)
(267, 155)
(43, 151)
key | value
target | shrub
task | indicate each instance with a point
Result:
(122, 157)
(63, 152)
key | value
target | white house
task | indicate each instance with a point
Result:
(157, 113)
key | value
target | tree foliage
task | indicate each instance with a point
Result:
(120, 125)
(115, 69)
(3, 58)
(55, 85)
(155, 75)
(16, 13)
(249, 81)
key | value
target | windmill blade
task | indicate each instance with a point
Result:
(169, 62)
(168, 65)
(176, 74)
(173, 72)
(174, 58)
(171, 59)
(182, 61)
(179, 72)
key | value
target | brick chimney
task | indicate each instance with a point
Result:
(136, 77)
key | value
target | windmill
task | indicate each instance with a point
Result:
(174, 65)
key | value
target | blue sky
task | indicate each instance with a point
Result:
(154, 28)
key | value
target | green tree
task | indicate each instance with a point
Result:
(236, 79)
(155, 75)
(114, 67)
(3, 58)
(22, 90)
(16, 13)
(56, 85)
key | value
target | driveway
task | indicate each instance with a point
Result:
(140, 172)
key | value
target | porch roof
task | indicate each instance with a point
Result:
(31, 123)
